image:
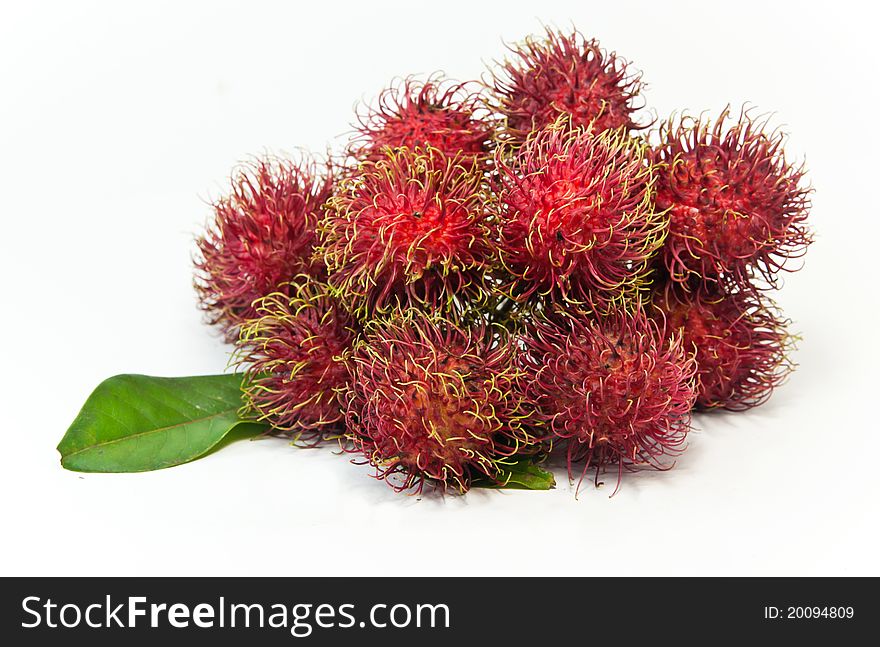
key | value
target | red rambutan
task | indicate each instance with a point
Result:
(613, 392)
(262, 235)
(429, 400)
(296, 352)
(565, 74)
(736, 206)
(740, 342)
(410, 228)
(577, 218)
(436, 113)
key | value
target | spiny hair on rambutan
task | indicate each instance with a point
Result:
(565, 74)
(295, 352)
(611, 392)
(739, 338)
(409, 229)
(576, 217)
(262, 234)
(447, 115)
(432, 402)
(737, 207)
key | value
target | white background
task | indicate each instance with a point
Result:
(119, 120)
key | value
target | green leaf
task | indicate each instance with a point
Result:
(521, 474)
(136, 423)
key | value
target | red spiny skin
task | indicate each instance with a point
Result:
(565, 74)
(262, 235)
(735, 205)
(576, 217)
(410, 228)
(431, 401)
(435, 113)
(612, 392)
(296, 351)
(739, 340)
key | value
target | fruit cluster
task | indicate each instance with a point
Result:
(504, 269)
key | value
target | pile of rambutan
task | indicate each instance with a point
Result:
(510, 270)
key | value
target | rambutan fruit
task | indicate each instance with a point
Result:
(409, 229)
(610, 391)
(565, 74)
(576, 217)
(737, 207)
(262, 235)
(437, 113)
(296, 350)
(430, 401)
(738, 337)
